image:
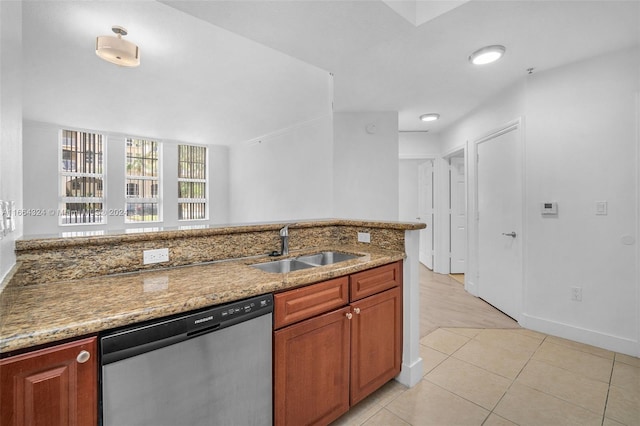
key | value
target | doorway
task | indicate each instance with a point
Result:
(416, 197)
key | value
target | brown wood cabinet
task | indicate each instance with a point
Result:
(376, 342)
(311, 370)
(336, 356)
(52, 386)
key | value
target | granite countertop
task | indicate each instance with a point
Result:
(54, 311)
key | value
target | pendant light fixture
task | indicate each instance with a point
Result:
(117, 50)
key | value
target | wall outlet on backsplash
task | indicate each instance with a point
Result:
(364, 237)
(155, 256)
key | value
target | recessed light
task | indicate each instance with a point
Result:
(432, 116)
(487, 55)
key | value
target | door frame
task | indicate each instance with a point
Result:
(444, 241)
(472, 282)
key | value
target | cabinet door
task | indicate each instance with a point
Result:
(376, 342)
(53, 386)
(311, 370)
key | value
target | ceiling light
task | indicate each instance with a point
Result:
(116, 50)
(432, 116)
(486, 55)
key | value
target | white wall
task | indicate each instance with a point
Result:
(581, 146)
(10, 123)
(40, 145)
(366, 165)
(219, 184)
(408, 190)
(284, 176)
(414, 145)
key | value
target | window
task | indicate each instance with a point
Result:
(192, 182)
(82, 171)
(142, 178)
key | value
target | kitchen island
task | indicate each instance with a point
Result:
(67, 288)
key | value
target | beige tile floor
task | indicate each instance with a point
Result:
(479, 375)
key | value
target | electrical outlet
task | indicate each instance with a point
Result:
(576, 294)
(364, 237)
(155, 256)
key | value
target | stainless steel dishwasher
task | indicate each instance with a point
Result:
(211, 367)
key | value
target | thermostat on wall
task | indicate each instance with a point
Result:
(549, 208)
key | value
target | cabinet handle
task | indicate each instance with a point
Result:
(83, 357)
(356, 310)
(349, 315)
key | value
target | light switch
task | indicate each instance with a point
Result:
(601, 208)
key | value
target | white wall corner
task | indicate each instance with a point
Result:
(412, 368)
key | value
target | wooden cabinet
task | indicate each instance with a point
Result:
(376, 342)
(311, 370)
(52, 386)
(335, 353)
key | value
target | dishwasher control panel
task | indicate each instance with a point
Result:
(225, 315)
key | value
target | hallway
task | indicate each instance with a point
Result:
(481, 368)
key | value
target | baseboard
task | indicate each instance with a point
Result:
(582, 335)
(471, 287)
(410, 375)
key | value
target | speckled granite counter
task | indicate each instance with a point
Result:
(44, 312)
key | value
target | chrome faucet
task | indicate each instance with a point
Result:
(284, 237)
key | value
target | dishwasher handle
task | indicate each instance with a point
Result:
(135, 341)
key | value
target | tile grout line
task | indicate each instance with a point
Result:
(545, 338)
(514, 380)
(490, 411)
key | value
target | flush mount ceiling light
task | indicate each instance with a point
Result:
(487, 55)
(432, 116)
(116, 50)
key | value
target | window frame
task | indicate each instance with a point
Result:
(63, 198)
(158, 200)
(204, 200)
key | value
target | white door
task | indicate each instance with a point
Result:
(425, 212)
(499, 179)
(457, 216)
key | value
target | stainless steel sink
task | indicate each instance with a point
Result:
(282, 266)
(326, 258)
(304, 262)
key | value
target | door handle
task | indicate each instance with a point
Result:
(511, 234)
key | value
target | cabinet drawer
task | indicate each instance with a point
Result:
(375, 280)
(299, 304)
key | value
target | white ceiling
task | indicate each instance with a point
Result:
(382, 57)
(383, 62)
(196, 83)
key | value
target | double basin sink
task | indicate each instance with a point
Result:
(304, 262)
